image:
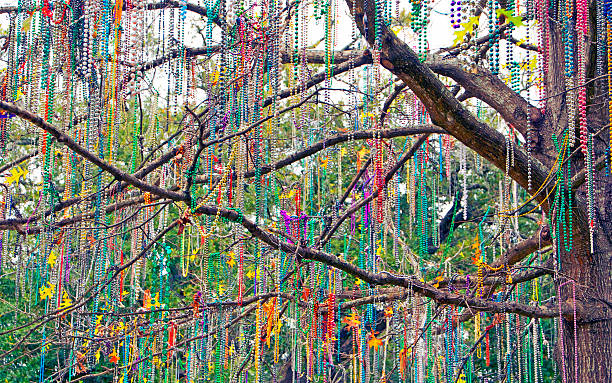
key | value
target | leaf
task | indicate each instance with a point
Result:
(287, 195)
(221, 288)
(277, 327)
(389, 312)
(52, 258)
(324, 162)
(80, 367)
(193, 254)
(20, 95)
(379, 251)
(269, 309)
(403, 355)
(231, 259)
(215, 77)
(374, 342)
(27, 23)
(363, 152)
(516, 20)
(250, 274)
(155, 301)
(113, 357)
(533, 62)
(47, 291)
(16, 174)
(66, 301)
(352, 321)
(397, 29)
(437, 281)
(146, 301)
(98, 328)
(468, 27)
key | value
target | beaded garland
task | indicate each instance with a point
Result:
(174, 281)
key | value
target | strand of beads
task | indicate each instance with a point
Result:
(494, 37)
(529, 143)
(455, 13)
(608, 14)
(423, 26)
(590, 188)
(582, 28)
(544, 44)
(513, 66)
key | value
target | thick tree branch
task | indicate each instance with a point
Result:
(343, 137)
(489, 88)
(381, 278)
(444, 109)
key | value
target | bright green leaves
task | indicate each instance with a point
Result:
(468, 27)
(516, 20)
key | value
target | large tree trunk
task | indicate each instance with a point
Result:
(592, 274)
(594, 315)
(591, 271)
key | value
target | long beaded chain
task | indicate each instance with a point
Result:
(608, 14)
(561, 338)
(563, 202)
(494, 37)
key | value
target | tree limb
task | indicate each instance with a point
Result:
(444, 109)
(77, 148)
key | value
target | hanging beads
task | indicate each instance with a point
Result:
(494, 36)
(455, 13)
(216, 122)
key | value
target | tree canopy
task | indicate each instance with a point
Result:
(295, 191)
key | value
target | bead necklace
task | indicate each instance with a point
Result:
(590, 189)
(609, 49)
(544, 38)
(563, 201)
(455, 14)
(494, 37)
(561, 339)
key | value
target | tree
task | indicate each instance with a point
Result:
(251, 194)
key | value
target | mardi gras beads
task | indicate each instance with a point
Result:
(455, 13)
(103, 50)
(494, 36)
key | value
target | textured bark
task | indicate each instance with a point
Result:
(489, 88)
